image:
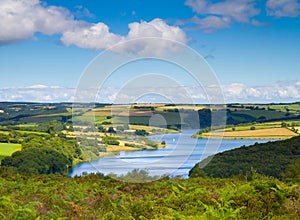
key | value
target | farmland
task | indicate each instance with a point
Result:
(101, 129)
(261, 133)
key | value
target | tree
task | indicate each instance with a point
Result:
(141, 132)
(111, 130)
(292, 172)
(283, 124)
(34, 161)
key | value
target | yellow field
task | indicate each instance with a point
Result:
(262, 133)
(184, 107)
(114, 148)
(98, 113)
(147, 105)
(150, 128)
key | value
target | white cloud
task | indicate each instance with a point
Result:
(95, 36)
(99, 37)
(283, 8)
(222, 14)
(39, 86)
(238, 10)
(21, 19)
(211, 23)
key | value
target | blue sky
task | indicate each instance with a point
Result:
(253, 46)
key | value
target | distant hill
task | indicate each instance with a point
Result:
(271, 159)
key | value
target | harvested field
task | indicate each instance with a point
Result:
(262, 133)
(147, 105)
(99, 113)
(136, 113)
(181, 107)
(113, 148)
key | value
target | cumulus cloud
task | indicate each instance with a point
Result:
(99, 37)
(221, 14)
(21, 19)
(94, 36)
(283, 8)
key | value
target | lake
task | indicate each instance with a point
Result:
(181, 154)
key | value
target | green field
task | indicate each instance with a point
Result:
(8, 149)
(283, 107)
(265, 125)
(26, 125)
(259, 113)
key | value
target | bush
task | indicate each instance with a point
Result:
(141, 132)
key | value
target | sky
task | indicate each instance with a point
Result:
(252, 46)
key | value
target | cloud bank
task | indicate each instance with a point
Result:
(236, 92)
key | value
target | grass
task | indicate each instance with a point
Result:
(8, 149)
(259, 113)
(33, 132)
(4, 132)
(265, 125)
(257, 127)
(283, 107)
(26, 125)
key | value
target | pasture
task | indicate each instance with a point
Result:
(8, 149)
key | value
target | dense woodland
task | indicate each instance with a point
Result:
(280, 159)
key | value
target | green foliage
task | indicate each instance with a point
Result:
(98, 197)
(271, 159)
(36, 161)
(292, 172)
(110, 140)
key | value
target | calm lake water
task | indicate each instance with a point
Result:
(181, 154)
